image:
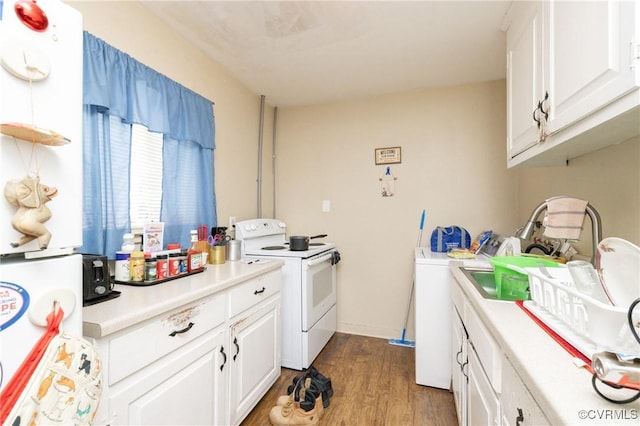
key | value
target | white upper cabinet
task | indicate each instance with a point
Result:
(524, 77)
(573, 78)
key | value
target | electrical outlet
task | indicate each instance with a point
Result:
(232, 222)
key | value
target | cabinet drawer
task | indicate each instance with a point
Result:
(246, 295)
(134, 350)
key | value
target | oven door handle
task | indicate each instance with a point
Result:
(319, 260)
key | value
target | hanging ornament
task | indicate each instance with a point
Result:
(30, 196)
(31, 15)
(388, 183)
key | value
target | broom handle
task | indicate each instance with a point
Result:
(413, 280)
(421, 226)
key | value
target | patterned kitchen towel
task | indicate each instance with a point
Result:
(564, 217)
(60, 382)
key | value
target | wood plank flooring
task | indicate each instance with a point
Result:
(373, 383)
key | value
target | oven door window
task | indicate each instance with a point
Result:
(319, 289)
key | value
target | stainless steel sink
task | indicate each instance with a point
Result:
(483, 281)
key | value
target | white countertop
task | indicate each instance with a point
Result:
(424, 256)
(562, 390)
(139, 303)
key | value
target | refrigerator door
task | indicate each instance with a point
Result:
(28, 290)
(41, 86)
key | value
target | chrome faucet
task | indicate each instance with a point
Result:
(526, 232)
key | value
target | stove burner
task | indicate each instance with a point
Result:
(273, 248)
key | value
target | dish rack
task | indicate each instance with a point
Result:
(587, 324)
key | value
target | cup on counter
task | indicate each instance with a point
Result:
(514, 287)
(217, 255)
(234, 250)
(586, 279)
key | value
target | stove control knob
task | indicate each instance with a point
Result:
(282, 225)
(253, 227)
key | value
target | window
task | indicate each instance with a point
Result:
(145, 192)
(158, 169)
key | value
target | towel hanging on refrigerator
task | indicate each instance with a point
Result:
(60, 381)
(564, 217)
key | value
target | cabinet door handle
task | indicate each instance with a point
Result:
(259, 291)
(520, 417)
(224, 362)
(184, 330)
(464, 372)
(458, 357)
(235, 342)
(541, 106)
(535, 115)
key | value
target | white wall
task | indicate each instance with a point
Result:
(609, 179)
(453, 165)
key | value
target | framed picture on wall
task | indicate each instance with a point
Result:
(389, 155)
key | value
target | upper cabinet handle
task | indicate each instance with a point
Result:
(535, 115)
(541, 105)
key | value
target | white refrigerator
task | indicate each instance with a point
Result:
(40, 173)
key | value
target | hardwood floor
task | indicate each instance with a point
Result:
(373, 383)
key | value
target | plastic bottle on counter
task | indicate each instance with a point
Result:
(128, 243)
(194, 254)
(122, 272)
(123, 258)
(137, 266)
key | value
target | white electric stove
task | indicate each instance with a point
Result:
(308, 309)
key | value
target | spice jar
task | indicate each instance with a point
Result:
(136, 266)
(174, 264)
(162, 266)
(184, 268)
(150, 269)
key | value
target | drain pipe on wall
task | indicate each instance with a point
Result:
(259, 180)
(273, 159)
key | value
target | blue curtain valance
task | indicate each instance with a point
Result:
(141, 95)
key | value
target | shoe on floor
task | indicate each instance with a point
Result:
(292, 414)
(311, 398)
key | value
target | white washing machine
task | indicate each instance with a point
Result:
(433, 309)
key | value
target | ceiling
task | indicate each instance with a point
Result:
(305, 52)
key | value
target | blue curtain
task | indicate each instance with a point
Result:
(119, 91)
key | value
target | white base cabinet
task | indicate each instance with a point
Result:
(486, 388)
(476, 378)
(518, 406)
(483, 403)
(164, 393)
(460, 377)
(254, 363)
(205, 363)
